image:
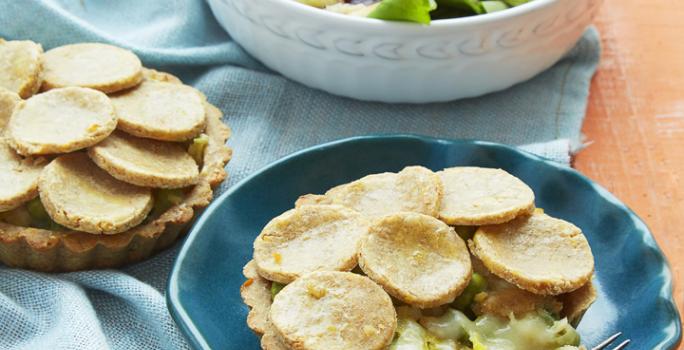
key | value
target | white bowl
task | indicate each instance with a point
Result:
(376, 60)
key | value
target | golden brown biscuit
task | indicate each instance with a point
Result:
(161, 111)
(79, 195)
(537, 253)
(309, 238)
(482, 196)
(256, 293)
(577, 302)
(145, 162)
(8, 100)
(20, 67)
(92, 65)
(416, 259)
(61, 121)
(414, 189)
(18, 177)
(330, 310)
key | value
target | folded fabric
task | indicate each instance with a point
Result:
(271, 117)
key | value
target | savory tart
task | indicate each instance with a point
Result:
(92, 65)
(331, 310)
(145, 162)
(482, 196)
(499, 294)
(98, 198)
(416, 258)
(414, 189)
(61, 121)
(307, 239)
(20, 64)
(160, 110)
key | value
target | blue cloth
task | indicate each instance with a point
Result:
(270, 117)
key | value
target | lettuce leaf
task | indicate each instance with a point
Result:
(474, 6)
(417, 11)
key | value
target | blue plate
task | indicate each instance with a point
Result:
(633, 279)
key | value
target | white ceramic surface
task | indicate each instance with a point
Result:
(386, 61)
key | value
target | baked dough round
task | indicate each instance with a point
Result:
(20, 67)
(61, 121)
(537, 253)
(307, 239)
(330, 310)
(416, 259)
(414, 189)
(145, 162)
(8, 100)
(18, 177)
(256, 293)
(482, 196)
(162, 111)
(79, 195)
(93, 65)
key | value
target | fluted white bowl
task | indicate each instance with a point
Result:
(376, 60)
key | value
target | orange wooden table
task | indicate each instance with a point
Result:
(636, 118)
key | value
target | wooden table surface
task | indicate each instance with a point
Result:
(635, 118)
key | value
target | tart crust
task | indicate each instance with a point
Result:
(55, 251)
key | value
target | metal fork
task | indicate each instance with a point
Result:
(611, 339)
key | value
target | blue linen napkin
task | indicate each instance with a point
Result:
(270, 117)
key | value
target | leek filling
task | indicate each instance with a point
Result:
(33, 214)
(456, 327)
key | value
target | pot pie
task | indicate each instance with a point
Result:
(81, 191)
(401, 276)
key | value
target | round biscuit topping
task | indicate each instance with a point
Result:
(482, 196)
(18, 176)
(331, 310)
(414, 189)
(537, 253)
(161, 110)
(61, 121)
(416, 258)
(93, 65)
(8, 100)
(145, 162)
(20, 67)
(79, 195)
(309, 238)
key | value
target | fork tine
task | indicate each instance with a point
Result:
(607, 342)
(622, 345)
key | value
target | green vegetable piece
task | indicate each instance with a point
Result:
(276, 288)
(516, 2)
(18, 217)
(165, 198)
(417, 11)
(466, 232)
(472, 6)
(410, 335)
(494, 6)
(197, 148)
(320, 3)
(39, 217)
(477, 285)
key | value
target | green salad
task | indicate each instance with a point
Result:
(418, 11)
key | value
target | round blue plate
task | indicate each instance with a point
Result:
(633, 279)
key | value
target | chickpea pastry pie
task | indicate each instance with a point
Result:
(102, 162)
(455, 260)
